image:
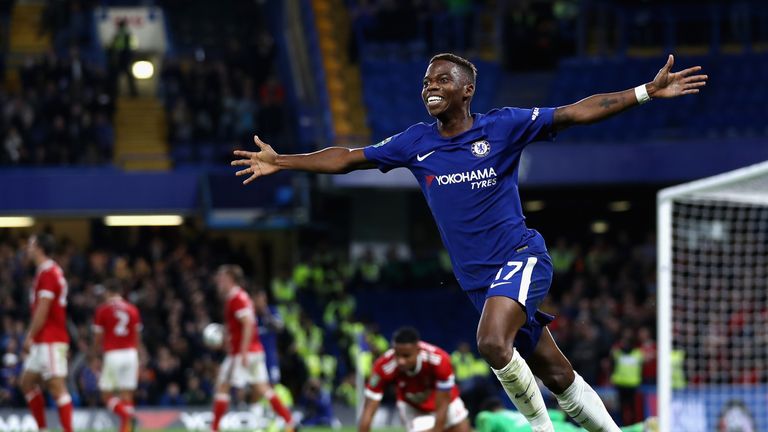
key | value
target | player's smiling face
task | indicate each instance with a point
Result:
(407, 355)
(445, 88)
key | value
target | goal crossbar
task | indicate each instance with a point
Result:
(711, 185)
(710, 189)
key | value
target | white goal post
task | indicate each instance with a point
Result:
(712, 292)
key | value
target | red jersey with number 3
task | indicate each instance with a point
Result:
(417, 388)
(120, 322)
(239, 304)
(50, 284)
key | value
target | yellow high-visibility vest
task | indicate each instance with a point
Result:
(678, 369)
(462, 365)
(628, 368)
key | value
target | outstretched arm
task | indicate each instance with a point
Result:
(331, 160)
(598, 107)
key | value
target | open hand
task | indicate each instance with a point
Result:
(260, 163)
(668, 84)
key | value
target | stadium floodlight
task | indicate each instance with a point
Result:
(534, 206)
(142, 69)
(619, 206)
(143, 220)
(599, 227)
(16, 221)
(712, 278)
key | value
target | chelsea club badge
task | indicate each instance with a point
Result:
(481, 148)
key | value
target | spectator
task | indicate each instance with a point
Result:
(10, 370)
(13, 147)
(346, 392)
(647, 345)
(121, 56)
(194, 395)
(88, 382)
(172, 396)
(627, 377)
(316, 405)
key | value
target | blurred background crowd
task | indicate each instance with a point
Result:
(603, 293)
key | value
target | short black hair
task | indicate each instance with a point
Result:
(46, 242)
(465, 65)
(405, 335)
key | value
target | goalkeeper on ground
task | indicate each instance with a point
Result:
(494, 418)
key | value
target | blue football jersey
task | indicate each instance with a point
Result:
(470, 183)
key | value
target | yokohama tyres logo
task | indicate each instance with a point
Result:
(478, 178)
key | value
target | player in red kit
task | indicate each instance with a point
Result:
(117, 332)
(245, 364)
(427, 397)
(47, 341)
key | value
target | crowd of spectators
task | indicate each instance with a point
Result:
(423, 26)
(603, 295)
(221, 83)
(60, 115)
(601, 292)
(535, 34)
(221, 101)
(162, 280)
(216, 96)
(170, 280)
(68, 23)
(467, 27)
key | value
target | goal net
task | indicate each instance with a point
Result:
(713, 303)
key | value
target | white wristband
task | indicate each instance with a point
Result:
(641, 93)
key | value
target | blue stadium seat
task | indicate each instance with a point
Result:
(732, 103)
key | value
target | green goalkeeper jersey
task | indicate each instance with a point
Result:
(513, 421)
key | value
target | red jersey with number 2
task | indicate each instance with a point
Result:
(120, 322)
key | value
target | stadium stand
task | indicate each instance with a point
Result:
(61, 115)
(220, 84)
(393, 67)
(58, 105)
(738, 87)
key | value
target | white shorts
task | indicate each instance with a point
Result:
(48, 359)
(120, 370)
(233, 373)
(416, 420)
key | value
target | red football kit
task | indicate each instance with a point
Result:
(50, 283)
(238, 305)
(417, 388)
(119, 321)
